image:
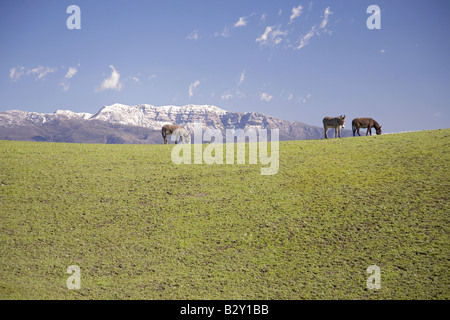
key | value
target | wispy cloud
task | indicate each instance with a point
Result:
(71, 72)
(263, 17)
(64, 84)
(241, 22)
(112, 82)
(240, 94)
(227, 95)
(225, 33)
(265, 97)
(304, 40)
(16, 73)
(136, 79)
(296, 12)
(326, 14)
(272, 36)
(235, 92)
(193, 35)
(192, 87)
(305, 99)
(241, 78)
(41, 71)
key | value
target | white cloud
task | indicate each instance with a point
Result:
(192, 87)
(41, 71)
(263, 38)
(296, 12)
(193, 35)
(71, 72)
(290, 97)
(136, 79)
(241, 22)
(272, 36)
(265, 97)
(326, 14)
(16, 73)
(280, 12)
(112, 82)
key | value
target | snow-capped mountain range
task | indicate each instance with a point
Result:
(137, 124)
(143, 115)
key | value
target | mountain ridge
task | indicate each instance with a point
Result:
(120, 123)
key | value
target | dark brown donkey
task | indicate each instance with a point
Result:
(368, 123)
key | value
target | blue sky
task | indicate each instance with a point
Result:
(296, 60)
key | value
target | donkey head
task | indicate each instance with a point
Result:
(378, 130)
(342, 118)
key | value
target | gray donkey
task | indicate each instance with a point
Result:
(336, 123)
(176, 130)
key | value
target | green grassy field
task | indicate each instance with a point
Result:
(141, 227)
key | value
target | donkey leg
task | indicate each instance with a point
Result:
(339, 130)
(335, 132)
(325, 129)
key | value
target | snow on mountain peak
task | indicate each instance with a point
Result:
(71, 115)
(168, 108)
(146, 115)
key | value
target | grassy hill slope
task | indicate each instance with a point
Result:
(141, 227)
